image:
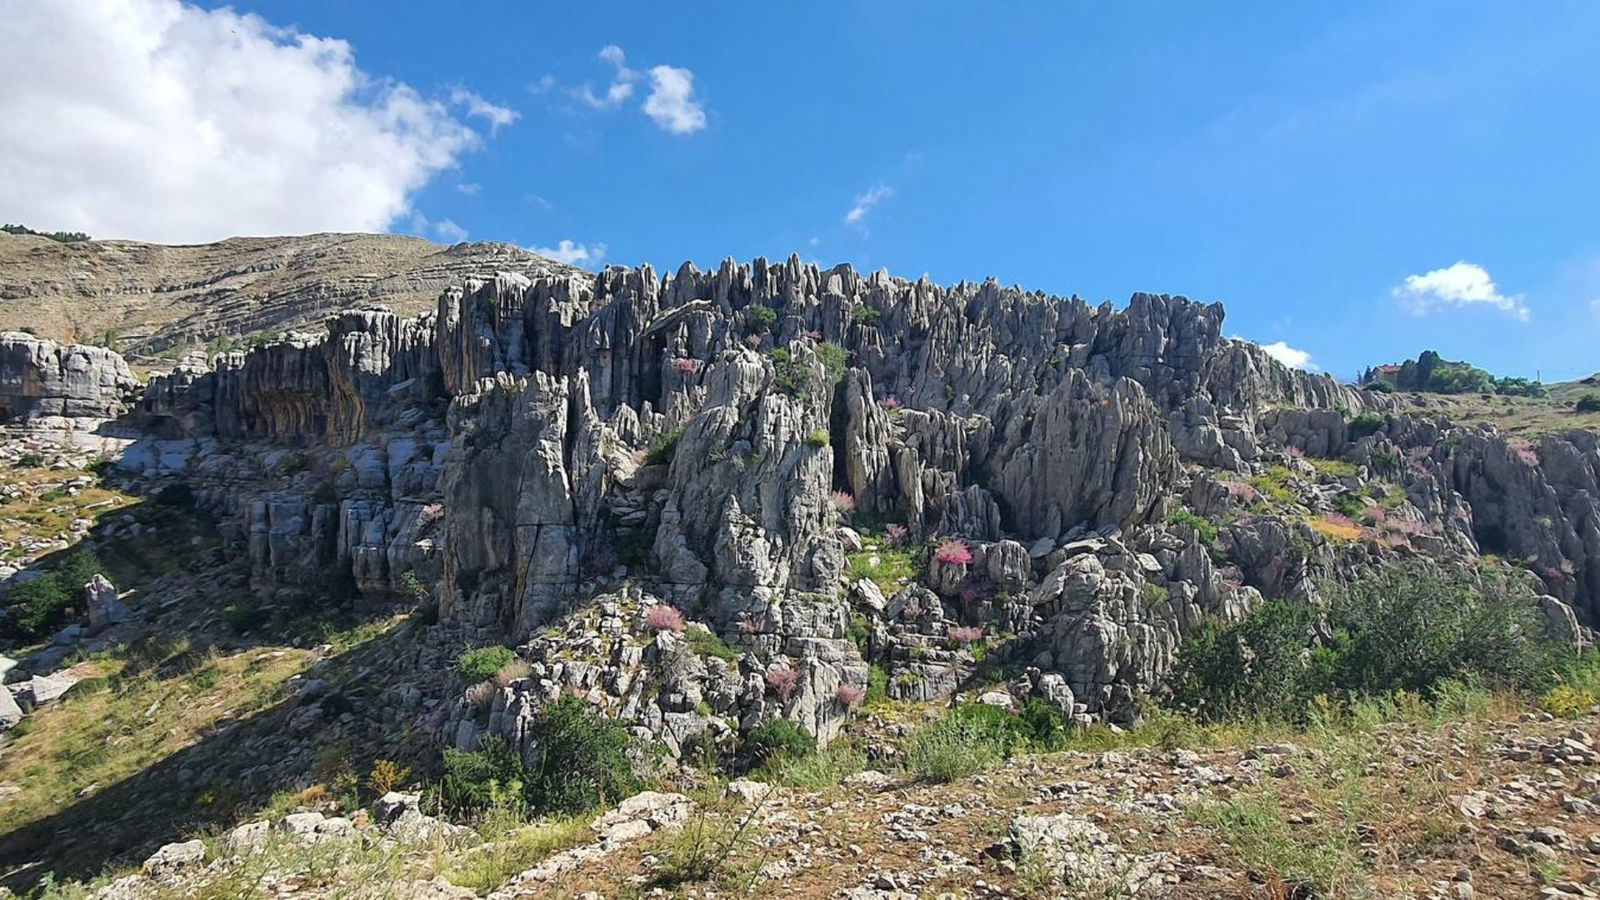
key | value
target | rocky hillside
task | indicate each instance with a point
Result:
(153, 298)
(712, 503)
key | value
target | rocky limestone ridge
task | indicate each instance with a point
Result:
(157, 299)
(1070, 488)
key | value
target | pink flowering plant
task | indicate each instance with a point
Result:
(966, 635)
(953, 553)
(662, 617)
(782, 680)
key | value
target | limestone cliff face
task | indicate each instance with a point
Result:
(559, 456)
(40, 379)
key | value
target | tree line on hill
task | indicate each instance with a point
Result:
(65, 237)
(1432, 372)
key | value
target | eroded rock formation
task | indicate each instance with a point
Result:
(822, 471)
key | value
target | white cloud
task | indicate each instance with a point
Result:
(865, 201)
(470, 188)
(496, 116)
(1292, 357)
(449, 232)
(586, 255)
(621, 87)
(1463, 284)
(540, 202)
(177, 123)
(671, 102)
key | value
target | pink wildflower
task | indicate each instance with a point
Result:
(843, 503)
(953, 553)
(850, 696)
(782, 679)
(662, 617)
(966, 634)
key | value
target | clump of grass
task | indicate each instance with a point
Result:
(509, 854)
(890, 568)
(1274, 485)
(709, 645)
(481, 664)
(1202, 526)
(818, 771)
(664, 449)
(1333, 468)
(976, 737)
(1255, 826)
(1336, 527)
(713, 846)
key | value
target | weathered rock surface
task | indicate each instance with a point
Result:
(549, 455)
(40, 379)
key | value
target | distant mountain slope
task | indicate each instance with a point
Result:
(155, 297)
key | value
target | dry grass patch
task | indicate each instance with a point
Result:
(129, 714)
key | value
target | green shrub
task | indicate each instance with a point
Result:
(833, 359)
(1349, 505)
(481, 665)
(778, 739)
(1403, 630)
(1588, 403)
(30, 460)
(37, 607)
(790, 374)
(708, 644)
(1519, 387)
(1042, 725)
(759, 319)
(1185, 516)
(1365, 424)
(488, 777)
(817, 438)
(581, 759)
(865, 315)
(877, 684)
(961, 744)
(665, 448)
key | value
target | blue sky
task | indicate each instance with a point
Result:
(1298, 162)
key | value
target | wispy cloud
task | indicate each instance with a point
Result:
(1464, 284)
(470, 188)
(621, 87)
(671, 103)
(449, 232)
(572, 253)
(496, 116)
(865, 201)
